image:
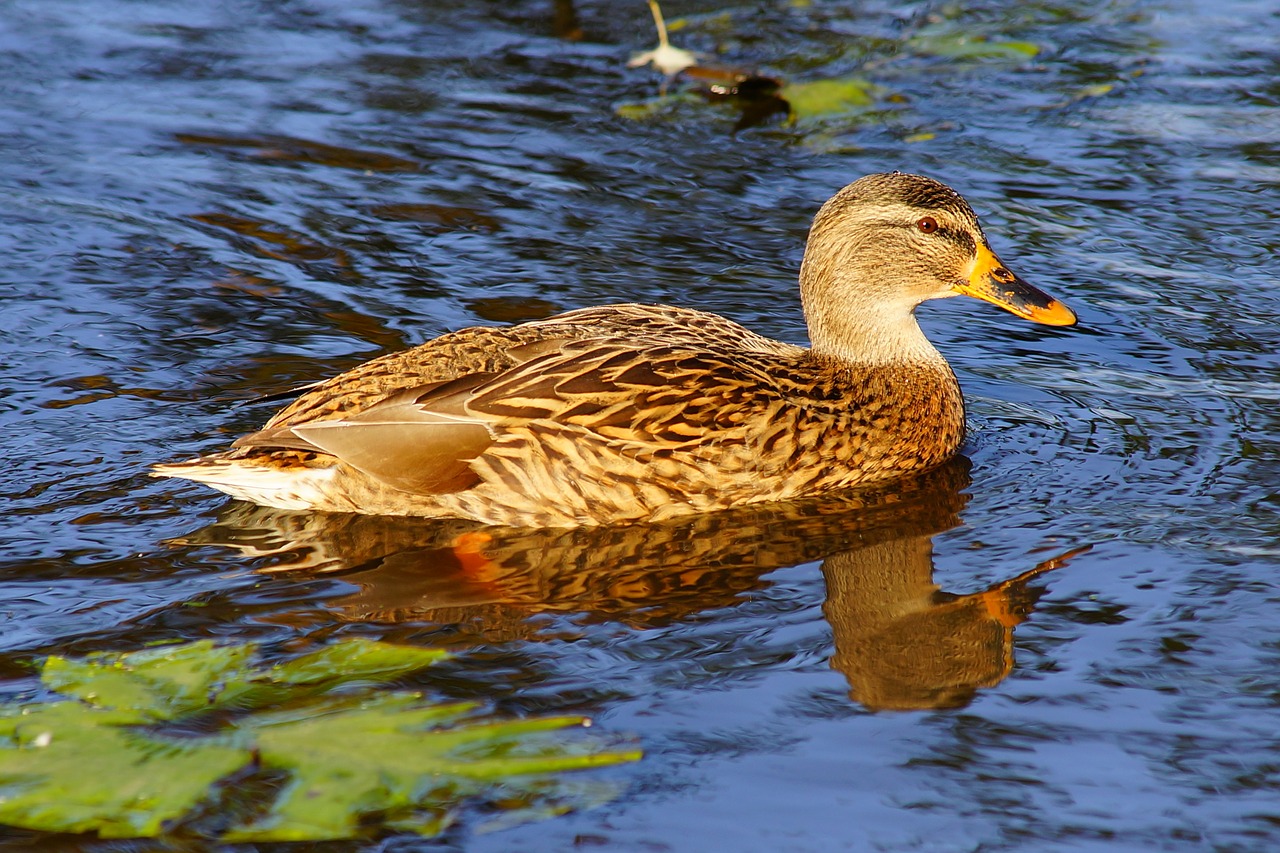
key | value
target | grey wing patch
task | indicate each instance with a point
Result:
(431, 455)
(396, 442)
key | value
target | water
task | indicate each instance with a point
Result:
(205, 203)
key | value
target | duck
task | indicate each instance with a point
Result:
(629, 413)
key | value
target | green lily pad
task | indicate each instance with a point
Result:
(819, 100)
(120, 758)
(958, 45)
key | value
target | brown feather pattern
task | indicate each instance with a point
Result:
(631, 412)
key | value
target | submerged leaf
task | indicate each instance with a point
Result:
(171, 681)
(834, 105)
(349, 757)
(355, 659)
(164, 683)
(675, 106)
(821, 98)
(70, 767)
(970, 46)
(546, 798)
(390, 755)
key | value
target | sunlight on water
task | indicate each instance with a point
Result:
(1066, 642)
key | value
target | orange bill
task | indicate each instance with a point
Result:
(990, 281)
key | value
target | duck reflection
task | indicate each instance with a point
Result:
(905, 644)
(901, 642)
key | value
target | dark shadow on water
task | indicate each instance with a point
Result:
(901, 642)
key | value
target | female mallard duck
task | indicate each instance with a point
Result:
(631, 412)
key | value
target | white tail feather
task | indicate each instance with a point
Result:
(298, 488)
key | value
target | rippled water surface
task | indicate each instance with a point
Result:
(203, 202)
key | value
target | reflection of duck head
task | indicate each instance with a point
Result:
(489, 581)
(903, 643)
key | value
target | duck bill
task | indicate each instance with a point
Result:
(990, 281)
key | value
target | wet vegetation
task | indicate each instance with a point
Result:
(195, 740)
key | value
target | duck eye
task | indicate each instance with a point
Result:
(927, 225)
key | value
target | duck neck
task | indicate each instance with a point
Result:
(868, 339)
(858, 332)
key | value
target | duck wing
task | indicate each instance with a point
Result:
(629, 398)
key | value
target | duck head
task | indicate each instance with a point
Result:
(888, 242)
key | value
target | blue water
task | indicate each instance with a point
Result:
(203, 203)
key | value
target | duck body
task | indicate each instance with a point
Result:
(635, 412)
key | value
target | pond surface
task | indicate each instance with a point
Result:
(204, 202)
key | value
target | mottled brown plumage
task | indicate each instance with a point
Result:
(631, 412)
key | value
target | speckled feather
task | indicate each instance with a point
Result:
(634, 412)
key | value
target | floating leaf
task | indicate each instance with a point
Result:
(1084, 93)
(1097, 90)
(971, 46)
(674, 106)
(171, 681)
(164, 683)
(349, 756)
(825, 98)
(70, 767)
(351, 662)
(355, 659)
(547, 797)
(390, 755)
